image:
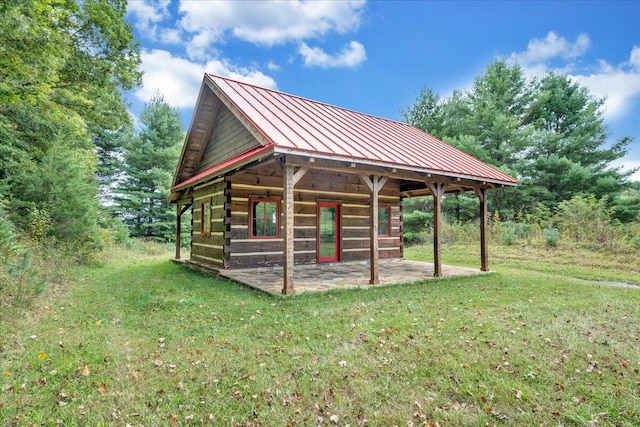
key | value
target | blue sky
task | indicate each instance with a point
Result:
(375, 56)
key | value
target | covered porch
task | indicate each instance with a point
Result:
(338, 275)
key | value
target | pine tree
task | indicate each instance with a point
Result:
(550, 134)
(150, 160)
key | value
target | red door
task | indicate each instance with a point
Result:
(328, 232)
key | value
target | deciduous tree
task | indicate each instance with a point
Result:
(62, 66)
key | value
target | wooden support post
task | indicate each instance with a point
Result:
(375, 184)
(178, 229)
(484, 253)
(374, 265)
(179, 211)
(437, 190)
(291, 177)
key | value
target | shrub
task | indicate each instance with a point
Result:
(415, 226)
(18, 280)
(585, 219)
(551, 236)
(509, 233)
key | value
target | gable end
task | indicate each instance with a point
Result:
(229, 138)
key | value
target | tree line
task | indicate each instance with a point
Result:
(549, 133)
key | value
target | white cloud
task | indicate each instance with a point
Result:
(627, 164)
(551, 47)
(351, 56)
(634, 61)
(540, 52)
(179, 79)
(267, 22)
(148, 14)
(148, 11)
(618, 84)
(272, 66)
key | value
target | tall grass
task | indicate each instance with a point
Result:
(582, 222)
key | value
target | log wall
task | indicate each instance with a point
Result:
(209, 247)
(242, 251)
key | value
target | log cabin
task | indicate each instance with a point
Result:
(274, 179)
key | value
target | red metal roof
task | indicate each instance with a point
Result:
(294, 124)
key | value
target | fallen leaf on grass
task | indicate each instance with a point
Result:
(498, 415)
(102, 389)
(517, 393)
(361, 420)
(173, 419)
(342, 363)
(85, 371)
(42, 355)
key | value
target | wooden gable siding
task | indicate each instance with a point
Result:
(228, 138)
(209, 248)
(315, 186)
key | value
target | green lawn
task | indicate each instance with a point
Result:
(142, 341)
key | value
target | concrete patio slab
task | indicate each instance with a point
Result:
(339, 275)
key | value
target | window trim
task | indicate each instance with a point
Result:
(205, 231)
(252, 203)
(388, 209)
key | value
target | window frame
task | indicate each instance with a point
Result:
(252, 203)
(205, 226)
(388, 209)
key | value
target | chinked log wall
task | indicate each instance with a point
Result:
(209, 247)
(316, 186)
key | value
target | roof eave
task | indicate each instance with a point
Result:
(223, 168)
(282, 150)
(188, 134)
